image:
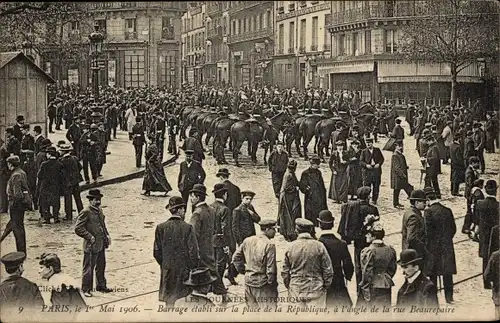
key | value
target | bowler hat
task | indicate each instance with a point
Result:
(408, 256)
(315, 160)
(369, 140)
(199, 277)
(430, 193)
(279, 143)
(247, 193)
(398, 121)
(478, 182)
(13, 259)
(94, 193)
(175, 202)
(219, 187)
(418, 195)
(223, 172)
(65, 147)
(45, 143)
(325, 216)
(189, 151)
(51, 150)
(199, 188)
(303, 224)
(20, 118)
(491, 184)
(292, 164)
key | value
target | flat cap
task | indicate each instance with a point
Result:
(267, 223)
(247, 193)
(304, 224)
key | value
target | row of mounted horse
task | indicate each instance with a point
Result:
(266, 130)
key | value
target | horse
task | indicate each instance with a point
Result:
(291, 134)
(307, 130)
(220, 130)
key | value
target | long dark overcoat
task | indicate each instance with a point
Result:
(457, 174)
(50, 181)
(487, 212)
(440, 230)
(176, 251)
(289, 207)
(312, 185)
(203, 221)
(399, 171)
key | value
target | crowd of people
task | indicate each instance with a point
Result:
(220, 239)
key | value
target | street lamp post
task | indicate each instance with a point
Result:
(96, 40)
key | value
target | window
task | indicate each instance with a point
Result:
(239, 26)
(355, 49)
(234, 27)
(291, 40)
(303, 34)
(281, 34)
(244, 25)
(314, 42)
(340, 45)
(134, 70)
(389, 7)
(269, 19)
(102, 25)
(167, 30)
(224, 25)
(391, 41)
(130, 28)
(327, 40)
(74, 26)
(168, 71)
(368, 41)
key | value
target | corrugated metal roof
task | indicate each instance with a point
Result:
(7, 57)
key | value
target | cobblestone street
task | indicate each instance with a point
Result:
(131, 220)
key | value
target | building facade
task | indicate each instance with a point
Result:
(364, 41)
(194, 42)
(251, 42)
(142, 45)
(217, 49)
(301, 39)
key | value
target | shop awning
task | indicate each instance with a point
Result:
(350, 68)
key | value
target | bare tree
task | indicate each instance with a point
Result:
(455, 32)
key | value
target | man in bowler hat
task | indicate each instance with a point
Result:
(16, 291)
(90, 225)
(417, 289)
(176, 251)
(199, 280)
(190, 173)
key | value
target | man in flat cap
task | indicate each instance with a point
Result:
(176, 251)
(91, 226)
(256, 258)
(343, 268)
(307, 268)
(17, 189)
(244, 217)
(16, 291)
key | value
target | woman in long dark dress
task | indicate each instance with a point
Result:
(338, 164)
(354, 169)
(154, 175)
(289, 203)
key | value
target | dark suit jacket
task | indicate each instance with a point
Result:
(421, 292)
(176, 251)
(233, 196)
(138, 135)
(487, 212)
(398, 133)
(399, 171)
(413, 231)
(188, 176)
(243, 223)
(38, 141)
(203, 220)
(223, 226)
(90, 223)
(17, 132)
(50, 180)
(71, 170)
(16, 291)
(470, 176)
(194, 144)
(343, 267)
(28, 142)
(440, 229)
(367, 157)
(433, 160)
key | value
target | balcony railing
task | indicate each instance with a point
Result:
(291, 50)
(375, 11)
(314, 48)
(243, 5)
(302, 49)
(213, 8)
(172, 5)
(214, 32)
(263, 33)
(130, 35)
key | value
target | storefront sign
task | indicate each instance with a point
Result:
(73, 76)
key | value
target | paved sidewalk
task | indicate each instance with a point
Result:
(120, 161)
